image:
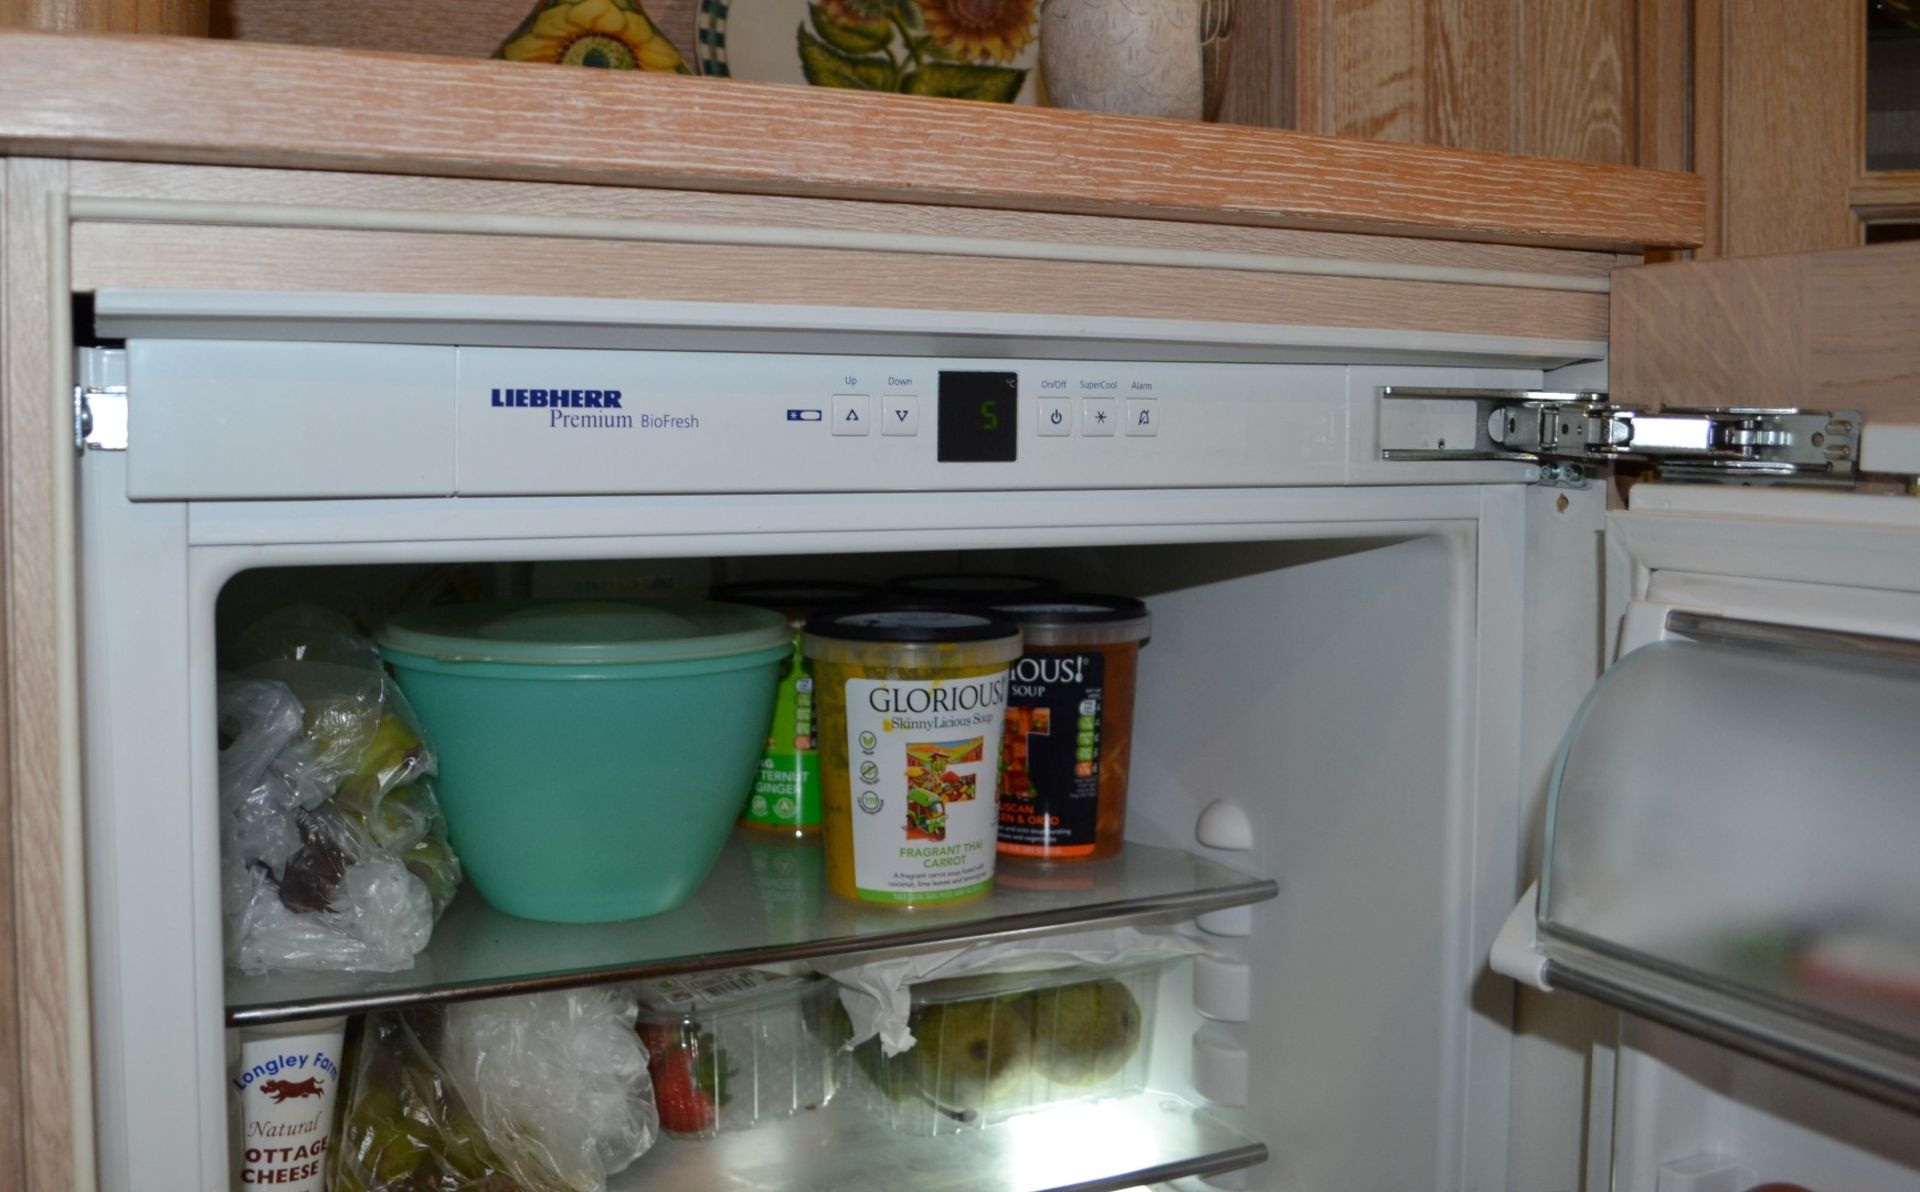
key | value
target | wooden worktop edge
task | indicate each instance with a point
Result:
(233, 103)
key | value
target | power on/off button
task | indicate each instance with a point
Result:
(1056, 416)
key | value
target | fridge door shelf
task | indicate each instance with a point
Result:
(1123, 1142)
(763, 902)
(1730, 849)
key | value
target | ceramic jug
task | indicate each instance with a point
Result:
(1137, 57)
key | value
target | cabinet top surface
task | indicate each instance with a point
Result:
(231, 103)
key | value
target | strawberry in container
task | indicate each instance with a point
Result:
(729, 1050)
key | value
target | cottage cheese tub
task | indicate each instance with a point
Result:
(283, 1091)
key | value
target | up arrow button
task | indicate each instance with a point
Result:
(850, 414)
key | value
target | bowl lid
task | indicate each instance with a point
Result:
(586, 632)
(906, 622)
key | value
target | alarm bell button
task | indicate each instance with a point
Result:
(1056, 416)
(1143, 418)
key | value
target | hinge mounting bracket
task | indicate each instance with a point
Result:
(1556, 429)
(99, 418)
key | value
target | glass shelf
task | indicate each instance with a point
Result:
(763, 902)
(1145, 1138)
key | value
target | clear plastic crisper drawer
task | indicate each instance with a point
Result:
(1734, 835)
(991, 1047)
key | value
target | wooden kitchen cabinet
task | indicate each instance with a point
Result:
(1470, 74)
(1515, 76)
(1806, 124)
(1776, 124)
(1804, 118)
(1568, 80)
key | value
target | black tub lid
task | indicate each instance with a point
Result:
(783, 594)
(970, 588)
(1073, 608)
(912, 622)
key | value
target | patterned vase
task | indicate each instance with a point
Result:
(1137, 57)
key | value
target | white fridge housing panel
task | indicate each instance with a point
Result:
(224, 420)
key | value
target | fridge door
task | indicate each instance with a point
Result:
(1730, 843)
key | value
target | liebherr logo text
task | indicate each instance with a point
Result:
(608, 411)
(540, 399)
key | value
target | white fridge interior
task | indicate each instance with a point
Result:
(1358, 675)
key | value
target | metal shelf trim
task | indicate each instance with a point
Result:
(1831, 1051)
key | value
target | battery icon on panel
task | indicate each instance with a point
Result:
(804, 415)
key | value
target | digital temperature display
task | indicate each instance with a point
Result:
(979, 417)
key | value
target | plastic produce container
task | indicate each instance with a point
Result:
(730, 1050)
(987, 1048)
(594, 756)
(1069, 738)
(785, 800)
(912, 703)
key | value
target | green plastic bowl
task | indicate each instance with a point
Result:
(593, 757)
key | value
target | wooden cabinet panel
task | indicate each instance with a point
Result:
(1761, 97)
(1663, 84)
(1260, 83)
(1575, 80)
(393, 193)
(1471, 79)
(1379, 87)
(1516, 76)
(181, 17)
(1824, 330)
(188, 100)
(12, 1079)
(45, 1053)
(141, 255)
(1777, 97)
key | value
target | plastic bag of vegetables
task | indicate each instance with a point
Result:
(542, 1093)
(334, 853)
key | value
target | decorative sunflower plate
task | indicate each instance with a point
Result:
(610, 34)
(960, 49)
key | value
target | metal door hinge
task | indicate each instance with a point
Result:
(1562, 431)
(99, 417)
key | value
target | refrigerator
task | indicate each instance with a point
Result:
(1545, 832)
